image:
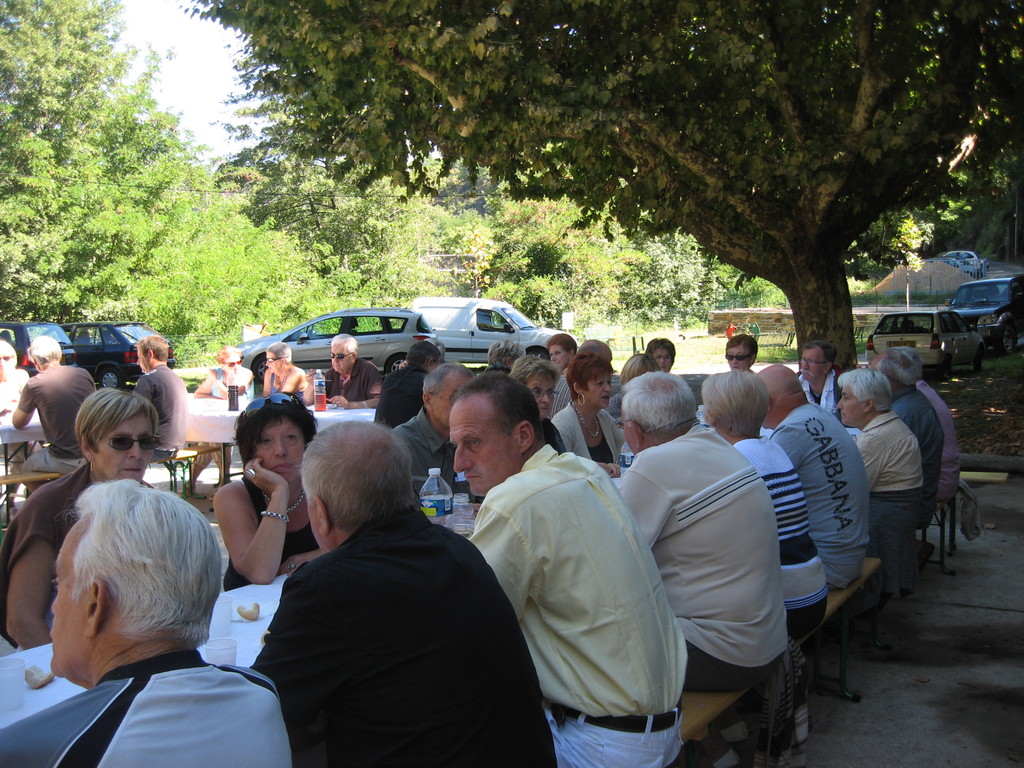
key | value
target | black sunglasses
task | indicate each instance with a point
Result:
(341, 355)
(124, 442)
(278, 398)
(741, 358)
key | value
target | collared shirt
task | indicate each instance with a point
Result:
(580, 576)
(711, 528)
(427, 449)
(891, 456)
(362, 383)
(162, 712)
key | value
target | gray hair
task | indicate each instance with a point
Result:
(500, 351)
(659, 402)
(735, 402)
(344, 338)
(435, 381)
(45, 350)
(902, 365)
(280, 349)
(157, 555)
(866, 384)
(334, 469)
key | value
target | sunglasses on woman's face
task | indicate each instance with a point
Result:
(124, 442)
(278, 398)
(741, 358)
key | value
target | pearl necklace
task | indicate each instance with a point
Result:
(596, 432)
(293, 507)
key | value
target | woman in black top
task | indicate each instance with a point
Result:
(263, 517)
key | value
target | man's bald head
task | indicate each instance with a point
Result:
(596, 347)
(784, 393)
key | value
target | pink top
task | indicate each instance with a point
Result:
(949, 475)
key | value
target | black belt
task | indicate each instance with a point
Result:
(627, 723)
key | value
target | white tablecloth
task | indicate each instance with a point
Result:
(210, 421)
(248, 634)
(33, 432)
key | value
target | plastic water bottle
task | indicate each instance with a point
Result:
(436, 498)
(463, 522)
(461, 484)
(319, 391)
(625, 457)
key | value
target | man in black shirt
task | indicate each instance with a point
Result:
(397, 647)
(401, 396)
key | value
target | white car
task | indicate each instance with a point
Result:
(966, 261)
(942, 339)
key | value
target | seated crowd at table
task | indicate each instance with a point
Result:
(563, 632)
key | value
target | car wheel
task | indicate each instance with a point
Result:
(110, 378)
(538, 352)
(1009, 338)
(946, 368)
(977, 358)
(259, 368)
(393, 362)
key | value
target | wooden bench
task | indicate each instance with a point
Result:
(700, 708)
(9, 484)
(945, 517)
(180, 466)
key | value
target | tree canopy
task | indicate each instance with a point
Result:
(774, 132)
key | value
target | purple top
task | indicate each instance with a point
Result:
(949, 475)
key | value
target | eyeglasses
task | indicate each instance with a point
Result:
(124, 442)
(275, 359)
(741, 358)
(278, 398)
(539, 393)
(234, 363)
(341, 355)
(6, 357)
(805, 361)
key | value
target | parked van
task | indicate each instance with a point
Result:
(469, 326)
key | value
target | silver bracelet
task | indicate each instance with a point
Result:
(275, 515)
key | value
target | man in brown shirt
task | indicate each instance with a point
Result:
(57, 391)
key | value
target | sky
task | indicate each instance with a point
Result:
(198, 77)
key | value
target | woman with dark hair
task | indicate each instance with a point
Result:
(585, 426)
(263, 517)
(664, 353)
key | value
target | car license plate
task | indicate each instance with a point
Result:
(908, 343)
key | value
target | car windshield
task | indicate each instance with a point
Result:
(519, 318)
(990, 293)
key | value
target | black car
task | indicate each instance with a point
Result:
(107, 350)
(995, 307)
(20, 335)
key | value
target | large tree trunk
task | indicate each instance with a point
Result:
(820, 299)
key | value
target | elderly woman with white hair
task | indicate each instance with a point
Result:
(735, 404)
(893, 463)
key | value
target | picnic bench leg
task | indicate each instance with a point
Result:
(940, 516)
(952, 525)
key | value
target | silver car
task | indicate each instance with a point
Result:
(384, 335)
(941, 339)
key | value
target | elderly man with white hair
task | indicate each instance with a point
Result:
(711, 529)
(137, 578)
(893, 464)
(57, 391)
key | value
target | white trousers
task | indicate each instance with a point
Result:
(579, 744)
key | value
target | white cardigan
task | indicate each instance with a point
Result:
(569, 427)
